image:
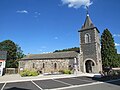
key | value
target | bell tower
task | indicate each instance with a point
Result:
(90, 52)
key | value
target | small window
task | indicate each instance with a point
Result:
(43, 65)
(55, 66)
(33, 65)
(87, 38)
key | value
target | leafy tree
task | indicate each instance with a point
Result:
(77, 49)
(19, 53)
(108, 50)
(11, 49)
(14, 53)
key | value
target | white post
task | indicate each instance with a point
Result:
(1, 71)
(75, 66)
(1, 68)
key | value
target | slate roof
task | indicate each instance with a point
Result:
(56, 55)
(88, 23)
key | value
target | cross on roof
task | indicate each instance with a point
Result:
(87, 10)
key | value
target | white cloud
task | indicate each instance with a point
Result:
(22, 11)
(40, 50)
(56, 38)
(77, 3)
(116, 35)
(38, 13)
(118, 52)
(117, 44)
(47, 52)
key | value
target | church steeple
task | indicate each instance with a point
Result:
(90, 52)
(88, 23)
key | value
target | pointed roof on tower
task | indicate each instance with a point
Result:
(88, 23)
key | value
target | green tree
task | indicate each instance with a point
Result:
(108, 50)
(118, 56)
(19, 53)
(77, 49)
(14, 53)
(11, 49)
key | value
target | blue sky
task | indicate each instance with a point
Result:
(46, 25)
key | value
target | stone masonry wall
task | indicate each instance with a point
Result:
(49, 65)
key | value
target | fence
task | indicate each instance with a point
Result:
(11, 71)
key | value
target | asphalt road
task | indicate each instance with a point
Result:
(1, 84)
(20, 86)
(76, 83)
(102, 86)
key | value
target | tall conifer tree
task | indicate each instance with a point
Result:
(108, 50)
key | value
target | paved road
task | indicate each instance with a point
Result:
(100, 86)
(76, 83)
(1, 84)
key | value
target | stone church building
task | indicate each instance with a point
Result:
(87, 61)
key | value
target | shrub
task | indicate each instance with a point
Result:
(61, 71)
(65, 71)
(29, 73)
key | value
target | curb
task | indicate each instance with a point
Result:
(46, 77)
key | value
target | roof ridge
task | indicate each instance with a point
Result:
(67, 54)
(51, 53)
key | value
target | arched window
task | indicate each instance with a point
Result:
(33, 65)
(87, 38)
(55, 66)
(43, 65)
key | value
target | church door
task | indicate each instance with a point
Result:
(88, 66)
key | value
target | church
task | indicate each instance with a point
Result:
(87, 61)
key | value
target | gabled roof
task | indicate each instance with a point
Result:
(88, 23)
(56, 55)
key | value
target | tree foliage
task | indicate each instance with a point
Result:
(11, 49)
(14, 53)
(19, 53)
(108, 50)
(118, 58)
(77, 49)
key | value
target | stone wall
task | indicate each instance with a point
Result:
(91, 50)
(47, 65)
(88, 49)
